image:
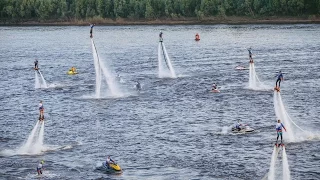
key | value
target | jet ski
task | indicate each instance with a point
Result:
(215, 90)
(244, 128)
(111, 167)
(240, 68)
(72, 73)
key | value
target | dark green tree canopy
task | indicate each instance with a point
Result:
(64, 10)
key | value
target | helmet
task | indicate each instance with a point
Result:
(42, 162)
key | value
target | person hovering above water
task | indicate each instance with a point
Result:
(279, 79)
(41, 109)
(91, 28)
(36, 64)
(40, 167)
(160, 36)
(250, 55)
(279, 127)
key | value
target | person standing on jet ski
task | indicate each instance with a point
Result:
(109, 161)
(36, 64)
(160, 36)
(279, 127)
(91, 28)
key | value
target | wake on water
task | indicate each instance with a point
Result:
(164, 57)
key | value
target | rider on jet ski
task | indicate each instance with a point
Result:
(238, 125)
(110, 161)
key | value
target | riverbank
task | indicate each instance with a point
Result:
(168, 21)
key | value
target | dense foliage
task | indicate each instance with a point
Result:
(19, 10)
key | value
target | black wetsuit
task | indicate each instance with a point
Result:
(280, 76)
(91, 27)
(36, 64)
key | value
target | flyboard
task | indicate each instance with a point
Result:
(37, 69)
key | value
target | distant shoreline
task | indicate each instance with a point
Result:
(169, 21)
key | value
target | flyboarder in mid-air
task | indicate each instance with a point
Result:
(279, 79)
(160, 36)
(250, 55)
(41, 110)
(91, 28)
(279, 127)
(36, 64)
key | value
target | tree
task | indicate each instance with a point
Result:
(149, 10)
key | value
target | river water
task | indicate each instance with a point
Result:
(172, 129)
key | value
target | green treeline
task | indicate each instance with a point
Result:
(67, 10)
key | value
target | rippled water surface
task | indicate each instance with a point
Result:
(173, 128)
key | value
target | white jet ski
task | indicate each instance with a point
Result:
(240, 68)
(244, 128)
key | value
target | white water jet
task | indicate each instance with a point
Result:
(274, 156)
(110, 80)
(281, 114)
(254, 81)
(26, 147)
(252, 76)
(285, 165)
(37, 81)
(97, 69)
(160, 62)
(39, 144)
(162, 51)
(43, 80)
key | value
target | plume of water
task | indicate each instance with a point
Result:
(37, 81)
(252, 76)
(160, 61)
(173, 74)
(281, 114)
(285, 165)
(274, 156)
(43, 80)
(25, 148)
(110, 80)
(97, 69)
(39, 144)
